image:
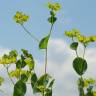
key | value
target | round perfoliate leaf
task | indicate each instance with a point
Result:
(44, 42)
(19, 88)
(79, 65)
(52, 19)
(74, 45)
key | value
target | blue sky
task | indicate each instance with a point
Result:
(78, 14)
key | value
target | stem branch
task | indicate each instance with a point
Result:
(29, 33)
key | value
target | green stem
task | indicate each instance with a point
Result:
(47, 50)
(51, 29)
(43, 94)
(84, 51)
(81, 90)
(29, 33)
(45, 60)
(76, 53)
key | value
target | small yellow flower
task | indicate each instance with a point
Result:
(54, 6)
(92, 38)
(15, 73)
(20, 17)
(89, 81)
(83, 39)
(18, 72)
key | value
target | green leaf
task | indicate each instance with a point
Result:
(52, 19)
(30, 63)
(81, 86)
(19, 88)
(13, 53)
(28, 59)
(48, 92)
(33, 83)
(90, 91)
(33, 79)
(20, 64)
(43, 80)
(52, 13)
(26, 54)
(79, 65)
(74, 46)
(24, 78)
(44, 42)
(51, 83)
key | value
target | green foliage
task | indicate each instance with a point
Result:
(42, 85)
(80, 87)
(24, 77)
(33, 83)
(44, 42)
(26, 59)
(85, 86)
(74, 46)
(25, 64)
(80, 65)
(52, 20)
(51, 83)
(19, 88)
(48, 92)
(89, 91)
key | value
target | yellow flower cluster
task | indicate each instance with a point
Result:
(81, 38)
(18, 72)
(86, 39)
(87, 82)
(9, 58)
(20, 17)
(72, 33)
(54, 6)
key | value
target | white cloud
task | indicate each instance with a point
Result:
(60, 58)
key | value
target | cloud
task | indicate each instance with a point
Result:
(3, 51)
(60, 58)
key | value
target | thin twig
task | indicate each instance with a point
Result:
(51, 29)
(45, 60)
(84, 51)
(29, 33)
